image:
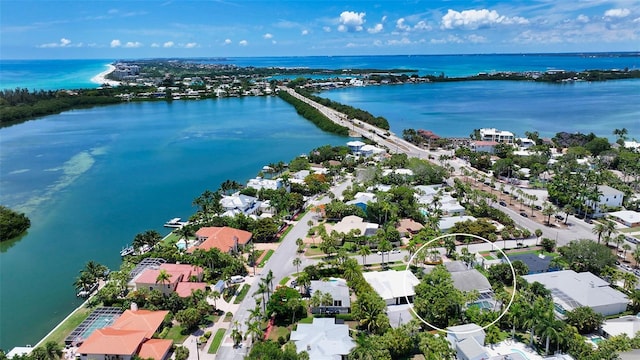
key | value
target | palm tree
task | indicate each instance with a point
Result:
(300, 244)
(304, 282)
(619, 240)
(296, 263)
(538, 233)
(636, 255)
(53, 350)
(351, 269)
(263, 289)
(254, 330)
(629, 281)
(384, 246)
(567, 210)
(268, 280)
(364, 251)
(215, 295)
(625, 248)
(163, 277)
(599, 229)
(550, 327)
(548, 210)
(236, 335)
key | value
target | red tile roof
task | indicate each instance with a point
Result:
(484, 143)
(149, 276)
(184, 289)
(156, 349)
(141, 320)
(112, 342)
(187, 270)
(222, 238)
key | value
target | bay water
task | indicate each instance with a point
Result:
(91, 179)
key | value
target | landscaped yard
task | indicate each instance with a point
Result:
(284, 280)
(266, 258)
(278, 331)
(242, 294)
(217, 340)
(68, 325)
(313, 251)
(171, 239)
(175, 334)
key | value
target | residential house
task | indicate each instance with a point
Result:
(395, 287)
(239, 204)
(323, 339)
(130, 335)
(339, 292)
(183, 279)
(626, 217)
(226, 239)
(361, 199)
(259, 183)
(355, 146)
(483, 146)
(492, 134)
(353, 222)
(371, 150)
(447, 223)
(408, 227)
(468, 341)
(608, 197)
(629, 325)
(571, 290)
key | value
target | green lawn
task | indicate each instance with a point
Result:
(313, 251)
(172, 238)
(285, 233)
(278, 331)
(266, 258)
(175, 334)
(68, 326)
(399, 267)
(242, 294)
(227, 317)
(284, 280)
(217, 340)
(307, 320)
(552, 255)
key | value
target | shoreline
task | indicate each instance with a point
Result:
(101, 77)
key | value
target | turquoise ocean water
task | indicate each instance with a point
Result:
(91, 179)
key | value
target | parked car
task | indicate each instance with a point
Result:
(395, 251)
(294, 283)
(524, 214)
(503, 203)
(538, 207)
(559, 217)
(632, 240)
(380, 252)
(236, 279)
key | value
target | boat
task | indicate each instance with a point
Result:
(128, 250)
(175, 223)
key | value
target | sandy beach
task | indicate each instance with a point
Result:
(100, 78)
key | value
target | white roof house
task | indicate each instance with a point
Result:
(390, 285)
(468, 341)
(260, 183)
(403, 172)
(447, 223)
(571, 290)
(323, 339)
(627, 217)
(492, 134)
(239, 203)
(353, 222)
(629, 325)
(470, 280)
(339, 292)
(362, 198)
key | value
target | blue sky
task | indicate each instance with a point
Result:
(227, 28)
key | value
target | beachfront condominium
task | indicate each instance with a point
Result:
(492, 134)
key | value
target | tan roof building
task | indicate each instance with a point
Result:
(223, 238)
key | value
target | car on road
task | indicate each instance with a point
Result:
(524, 214)
(395, 251)
(559, 217)
(503, 203)
(632, 240)
(538, 207)
(294, 283)
(380, 252)
(588, 220)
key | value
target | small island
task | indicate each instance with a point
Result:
(12, 223)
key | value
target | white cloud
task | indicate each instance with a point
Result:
(115, 43)
(384, 18)
(403, 41)
(617, 13)
(227, 41)
(243, 43)
(448, 39)
(400, 25)
(267, 36)
(422, 25)
(476, 39)
(155, 45)
(326, 29)
(376, 29)
(351, 21)
(133, 44)
(168, 44)
(475, 19)
(274, 42)
(64, 42)
(191, 45)
(305, 32)
(582, 18)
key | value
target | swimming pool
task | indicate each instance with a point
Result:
(524, 356)
(483, 305)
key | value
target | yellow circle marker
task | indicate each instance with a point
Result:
(504, 312)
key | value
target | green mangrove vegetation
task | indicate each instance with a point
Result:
(12, 223)
(310, 113)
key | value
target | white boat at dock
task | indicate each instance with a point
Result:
(175, 223)
(128, 250)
